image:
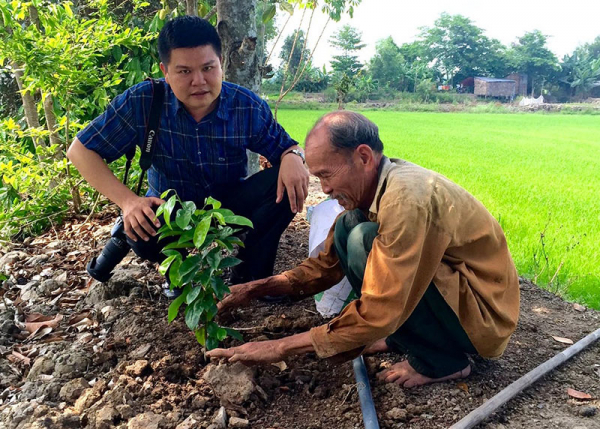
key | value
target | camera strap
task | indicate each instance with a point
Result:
(152, 126)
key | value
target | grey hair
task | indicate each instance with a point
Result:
(348, 130)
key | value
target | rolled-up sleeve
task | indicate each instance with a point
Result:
(398, 272)
(316, 274)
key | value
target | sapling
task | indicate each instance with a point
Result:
(195, 261)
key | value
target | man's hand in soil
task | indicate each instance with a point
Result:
(241, 295)
(238, 296)
(139, 217)
(265, 352)
(293, 178)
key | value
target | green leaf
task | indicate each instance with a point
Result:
(171, 252)
(287, 7)
(219, 217)
(269, 13)
(188, 235)
(213, 257)
(211, 201)
(117, 53)
(189, 206)
(164, 194)
(219, 287)
(239, 220)
(163, 235)
(68, 9)
(189, 268)
(234, 240)
(183, 217)
(200, 334)
(174, 272)
(193, 294)
(164, 266)
(211, 329)
(174, 307)
(166, 228)
(169, 206)
(211, 343)
(221, 334)
(192, 315)
(211, 311)
(177, 245)
(227, 262)
(204, 277)
(224, 245)
(201, 231)
(234, 334)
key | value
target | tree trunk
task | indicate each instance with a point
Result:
(51, 124)
(29, 107)
(191, 7)
(236, 24)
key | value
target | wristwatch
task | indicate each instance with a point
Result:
(299, 153)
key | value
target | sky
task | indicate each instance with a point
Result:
(567, 23)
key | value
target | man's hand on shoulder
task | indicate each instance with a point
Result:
(139, 217)
(293, 178)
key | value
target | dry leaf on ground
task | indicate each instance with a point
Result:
(563, 340)
(577, 394)
(34, 326)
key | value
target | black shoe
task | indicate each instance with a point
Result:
(170, 293)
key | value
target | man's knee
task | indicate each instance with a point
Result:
(349, 220)
(360, 239)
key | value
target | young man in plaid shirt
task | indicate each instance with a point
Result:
(205, 128)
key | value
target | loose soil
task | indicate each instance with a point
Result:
(104, 355)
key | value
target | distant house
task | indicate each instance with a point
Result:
(521, 79)
(492, 87)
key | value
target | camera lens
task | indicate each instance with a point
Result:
(114, 251)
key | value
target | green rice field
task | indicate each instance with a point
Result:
(538, 174)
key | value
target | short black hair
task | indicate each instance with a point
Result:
(186, 32)
(348, 130)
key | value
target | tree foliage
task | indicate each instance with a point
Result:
(459, 49)
(530, 55)
(208, 239)
(348, 41)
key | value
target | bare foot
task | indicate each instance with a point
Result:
(405, 375)
(377, 347)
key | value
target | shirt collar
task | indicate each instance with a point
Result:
(385, 165)
(222, 109)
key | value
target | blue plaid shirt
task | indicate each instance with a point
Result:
(190, 157)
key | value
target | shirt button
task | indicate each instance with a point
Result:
(301, 292)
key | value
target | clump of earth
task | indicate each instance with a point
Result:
(104, 356)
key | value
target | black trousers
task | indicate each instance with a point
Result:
(253, 198)
(432, 336)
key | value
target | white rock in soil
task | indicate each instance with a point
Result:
(73, 389)
(139, 368)
(236, 422)
(147, 420)
(396, 414)
(42, 365)
(192, 422)
(220, 419)
(105, 417)
(233, 383)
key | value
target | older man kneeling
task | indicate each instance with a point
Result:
(429, 263)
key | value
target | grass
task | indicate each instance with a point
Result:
(539, 175)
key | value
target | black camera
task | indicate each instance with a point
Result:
(101, 267)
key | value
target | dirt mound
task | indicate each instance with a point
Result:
(112, 360)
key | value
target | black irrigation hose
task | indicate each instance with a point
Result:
(364, 394)
(479, 414)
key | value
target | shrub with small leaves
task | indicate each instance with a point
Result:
(207, 237)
